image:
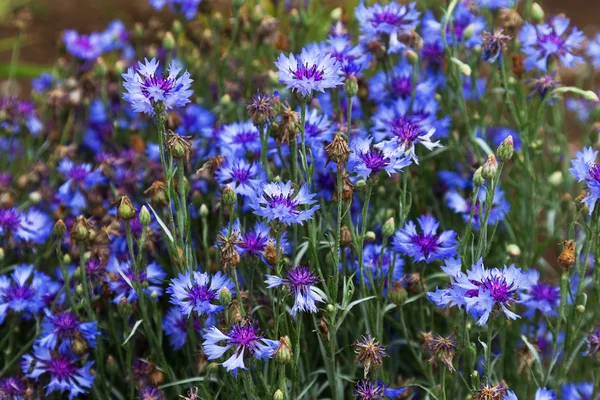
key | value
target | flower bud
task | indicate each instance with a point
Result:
(537, 13)
(351, 86)
(513, 250)
(168, 41)
(144, 216)
(468, 32)
(1, 254)
(80, 346)
(35, 197)
(112, 366)
(338, 150)
(80, 231)
(580, 308)
(345, 236)
(360, 185)
(412, 57)
(177, 27)
(66, 259)
(490, 168)
(178, 146)
(225, 296)
(283, 354)
(506, 149)
(555, 179)
(157, 193)
(100, 67)
(278, 395)
(125, 209)
(388, 228)
(370, 236)
(59, 228)
(398, 294)
(229, 197)
(336, 14)
(203, 211)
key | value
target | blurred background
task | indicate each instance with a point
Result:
(39, 47)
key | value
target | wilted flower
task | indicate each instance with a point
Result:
(494, 45)
(441, 349)
(369, 352)
(585, 169)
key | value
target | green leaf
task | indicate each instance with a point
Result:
(348, 308)
(124, 276)
(162, 224)
(185, 381)
(23, 71)
(135, 326)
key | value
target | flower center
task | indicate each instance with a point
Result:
(374, 160)
(66, 323)
(10, 219)
(500, 291)
(244, 336)
(545, 292)
(427, 243)
(301, 277)
(405, 130)
(245, 137)
(78, 174)
(157, 87)
(17, 292)
(241, 174)
(303, 71)
(385, 17)
(61, 368)
(201, 293)
(254, 243)
(401, 86)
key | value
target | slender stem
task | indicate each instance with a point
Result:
(365, 211)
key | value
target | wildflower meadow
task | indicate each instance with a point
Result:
(294, 200)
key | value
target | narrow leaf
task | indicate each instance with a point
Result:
(137, 324)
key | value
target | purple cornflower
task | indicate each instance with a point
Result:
(22, 292)
(199, 292)
(242, 176)
(175, 325)
(145, 88)
(150, 393)
(42, 82)
(311, 70)
(277, 201)
(301, 282)
(379, 22)
(544, 394)
(318, 128)
(542, 85)
(86, 47)
(80, 178)
(121, 278)
(254, 242)
(593, 51)
(12, 388)
(369, 390)
(62, 328)
(593, 342)
(244, 338)
(63, 370)
(460, 205)
(428, 245)
(189, 8)
(405, 128)
(540, 296)
(239, 138)
(24, 226)
(481, 291)
(377, 266)
(585, 168)
(352, 58)
(384, 88)
(553, 40)
(462, 18)
(366, 160)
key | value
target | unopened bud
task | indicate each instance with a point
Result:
(360, 185)
(555, 179)
(1, 253)
(100, 67)
(336, 14)
(513, 250)
(203, 211)
(278, 395)
(80, 231)
(590, 95)
(398, 295)
(111, 365)
(345, 236)
(79, 346)
(351, 86)
(144, 216)
(490, 168)
(370, 236)
(225, 296)
(537, 13)
(59, 228)
(506, 149)
(177, 27)
(67, 259)
(388, 228)
(580, 308)
(229, 197)
(468, 32)
(35, 197)
(412, 57)
(478, 177)
(283, 354)
(125, 208)
(168, 41)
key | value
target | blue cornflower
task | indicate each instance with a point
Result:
(150, 392)
(593, 50)
(496, 135)
(22, 292)
(175, 325)
(199, 292)
(85, 47)
(239, 138)
(352, 58)
(13, 388)
(42, 82)
(145, 88)
(243, 177)
(584, 168)
(24, 226)
(378, 22)
(301, 282)
(428, 245)
(318, 128)
(189, 8)
(64, 371)
(495, 4)
(121, 277)
(454, 180)
(254, 242)
(545, 394)
(383, 88)
(369, 390)
(462, 18)
(310, 71)
(540, 296)
(578, 391)
(80, 178)
(510, 395)
(460, 205)
(367, 160)
(553, 40)
(195, 119)
(481, 291)
(377, 265)
(244, 338)
(62, 328)
(277, 201)
(408, 127)
(115, 36)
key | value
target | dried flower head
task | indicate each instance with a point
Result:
(157, 192)
(261, 110)
(369, 352)
(338, 151)
(81, 229)
(494, 44)
(287, 129)
(488, 392)
(226, 243)
(440, 349)
(178, 146)
(510, 19)
(566, 259)
(593, 342)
